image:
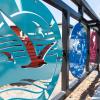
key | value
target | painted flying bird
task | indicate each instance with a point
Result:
(36, 60)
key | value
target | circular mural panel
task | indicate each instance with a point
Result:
(78, 50)
(93, 46)
(30, 50)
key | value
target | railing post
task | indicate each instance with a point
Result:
(65, 42)
(88, 54)
(98, 50)
(80, 10)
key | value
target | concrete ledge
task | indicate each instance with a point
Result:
(83, 89)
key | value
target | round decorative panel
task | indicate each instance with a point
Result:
(30, 50)
(78, 50)
(93, 46)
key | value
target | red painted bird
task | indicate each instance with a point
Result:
(36, 61)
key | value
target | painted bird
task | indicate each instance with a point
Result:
(36, 60)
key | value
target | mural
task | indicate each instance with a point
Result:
(30, 48)
(78, 50)
(93, 47)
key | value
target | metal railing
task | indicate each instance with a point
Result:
(67, 12)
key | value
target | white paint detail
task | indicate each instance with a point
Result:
(49, 49)
(49, 33)
(27, 12)
(52, 22)
(36, 23)
(19, 4)
(7, 20)
(31, 33)
(40, 31)
(1, 24)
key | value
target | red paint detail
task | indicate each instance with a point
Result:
(93, 47)
(9, 56)
(35, 61)
(16, 30)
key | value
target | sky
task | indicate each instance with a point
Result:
(95, 5)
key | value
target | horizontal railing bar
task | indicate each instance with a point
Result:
(59, 4)
(87, 9)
